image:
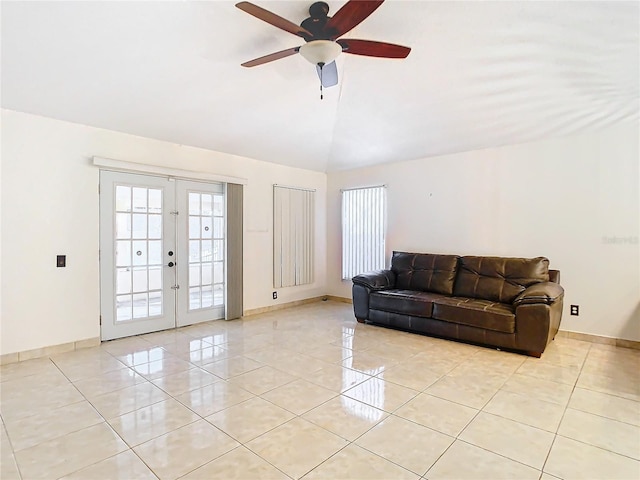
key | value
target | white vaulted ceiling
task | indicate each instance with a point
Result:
(480, 74)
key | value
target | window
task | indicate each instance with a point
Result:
(363, 230)
(206, 249)
(293, 219)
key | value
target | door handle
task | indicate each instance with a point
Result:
(170, 264)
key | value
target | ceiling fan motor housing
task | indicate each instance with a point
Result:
(317, 21)
(319, 10)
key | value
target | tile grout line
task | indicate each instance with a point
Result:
(501, 455)
(605, 417)
(13, 452)
(600, 448)
(555, 434)
(104, 420)
(481, 410)
(172, 397)
(241, 445)
(130, 447)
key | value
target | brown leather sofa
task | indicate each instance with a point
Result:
(510, 303)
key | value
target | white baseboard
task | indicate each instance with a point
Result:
(48, 351)
(282, 306)
(587, 337)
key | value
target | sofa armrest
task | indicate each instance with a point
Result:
(378, 280)
(545, 293)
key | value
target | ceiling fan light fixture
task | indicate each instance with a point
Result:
(320, 52)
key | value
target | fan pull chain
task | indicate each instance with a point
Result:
(321, 65)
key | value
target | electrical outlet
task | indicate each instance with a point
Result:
(275, 295)
(575, 310)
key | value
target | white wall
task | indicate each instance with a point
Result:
(564, 198)
(574, 200)
(49, 198)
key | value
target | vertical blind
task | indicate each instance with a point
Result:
(293, 232)
(363, 230)
(234, 307)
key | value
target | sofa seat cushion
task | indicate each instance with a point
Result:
(475, 313)
(407, 302)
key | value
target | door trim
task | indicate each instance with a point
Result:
(183, 174)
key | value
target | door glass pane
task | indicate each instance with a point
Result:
(140, 279)
(194, 275)
(194, 298)
(194, 203)
(194, 251)
(123, 280)
(123, 198)
(218, 205)
(218, 250)
(207, 270)
(139, 226)
(123, 225)
(140, 199)
(207, 296)
(206, 227)
(123, 308)
(218, 295)
(155, 226)
(155, 200)
(207, 204)
(155, 278)
(194, 227)
(155, 303)
(218, 272)
(139, 252)
(123, 253)
(140, 305)
(218, 227)
(206, 252)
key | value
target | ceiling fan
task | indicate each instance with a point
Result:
(322, 36)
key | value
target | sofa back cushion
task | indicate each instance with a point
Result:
(424, 272)
(498, 279)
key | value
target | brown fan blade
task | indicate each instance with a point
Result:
(271, 57)
(273, 19)
(370, 48)
(351, 14)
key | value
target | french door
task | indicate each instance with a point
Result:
(162, 253)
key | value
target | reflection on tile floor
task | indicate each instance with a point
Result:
(309, 393)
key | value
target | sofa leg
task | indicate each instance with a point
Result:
(360, 320)
(534, 354)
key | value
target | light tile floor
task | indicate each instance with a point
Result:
(309, 393)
